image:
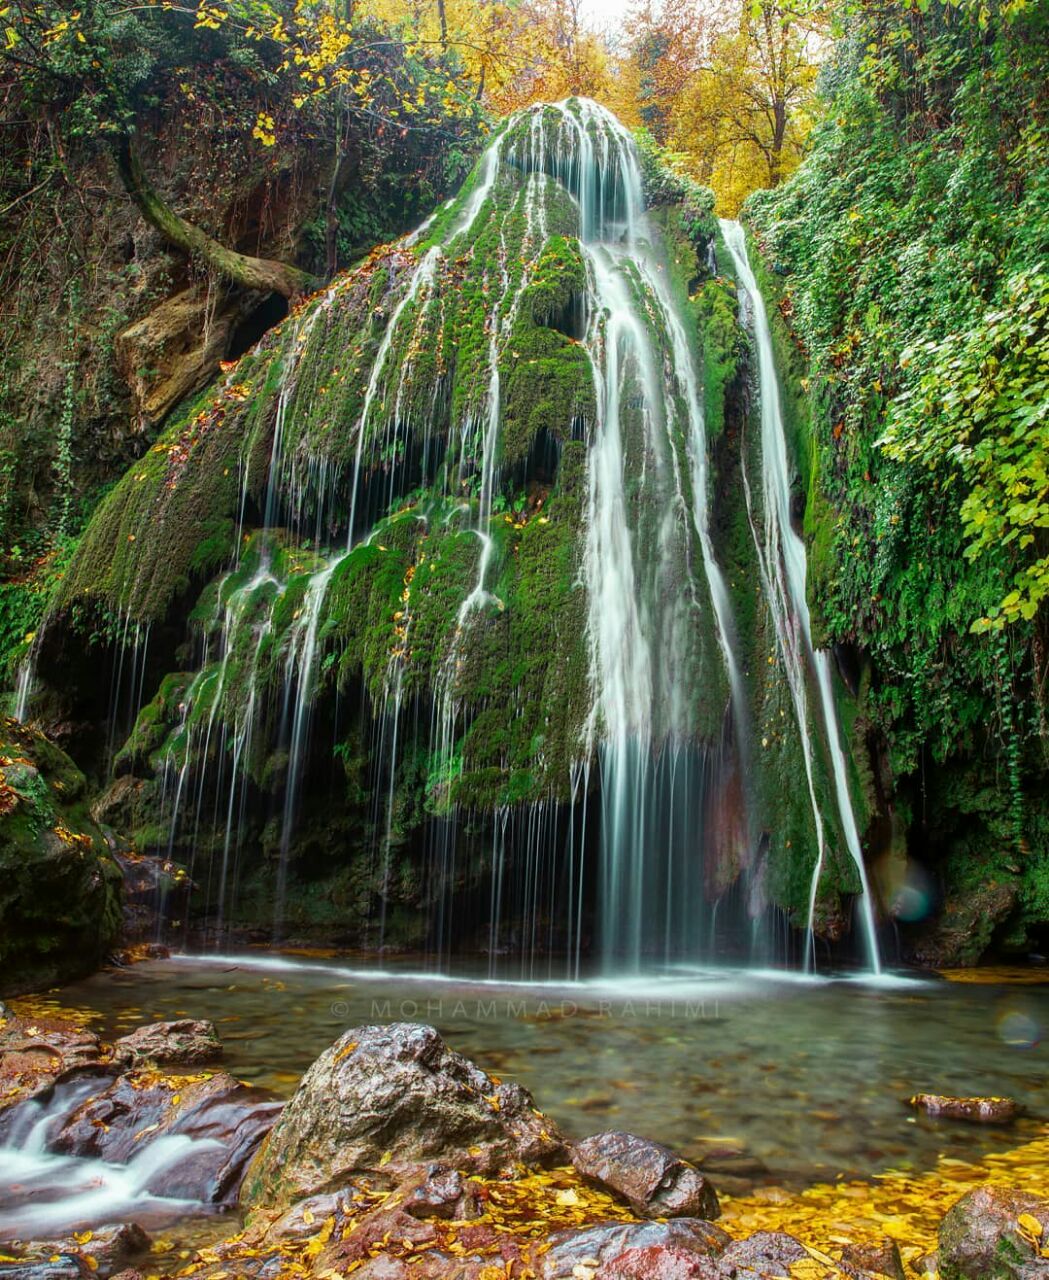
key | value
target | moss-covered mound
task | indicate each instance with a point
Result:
(59, 884)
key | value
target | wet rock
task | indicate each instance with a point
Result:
(386, 1100)
(33, 1059)
(599, 1245)
(761, 1256)
(655, 1182)
(443, 1193)
(966, 925)
(978, 1110)
(376, 1229)
(59, 885)
(990, 1235)
(102, 1255)
(873, 1260)
(227, 1121)
(111, 1248)
(155, 889)
(173, 350)
(302, 1220)
(185, 1043)
(57, 1267)
(658, 1262)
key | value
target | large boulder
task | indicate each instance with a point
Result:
(386, 1097)
(59, 883)
(994, 1233)
(187, 1043)
(650, 1177)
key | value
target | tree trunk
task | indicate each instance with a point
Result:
(263, 274)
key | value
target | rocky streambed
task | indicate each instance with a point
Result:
(397, 1157)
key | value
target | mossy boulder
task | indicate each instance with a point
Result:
(59, 883)
(992, 1234)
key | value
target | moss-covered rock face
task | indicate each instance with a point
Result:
(432, 578)
(59, 884)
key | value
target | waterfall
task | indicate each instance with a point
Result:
(526, 358)
(784, 567)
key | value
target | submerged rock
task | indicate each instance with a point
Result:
(655, 1182)
(383, 1098)
(980, 1110)
(764, 1255)
(183, 1043)
(993, 1233)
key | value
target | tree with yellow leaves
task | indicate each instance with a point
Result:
(728, 89)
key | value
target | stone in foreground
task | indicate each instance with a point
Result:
(994, 1233)
(602, 1246)
(655, 1182)
(386, 1097)
(185, 1043)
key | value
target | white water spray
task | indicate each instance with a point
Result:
(785, 566)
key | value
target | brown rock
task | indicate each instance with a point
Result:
(185, 1043)
(106, 1253)
(443, 1193)
(764, 1255)
(386, 1100)
(873, 1260)
(655, 1182)
(978, 1110)
(124, 1115)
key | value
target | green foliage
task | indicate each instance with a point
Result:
(666, 180)
(978, 400)
(907, 263)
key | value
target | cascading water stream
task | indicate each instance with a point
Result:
(784, 566)
(528, 356)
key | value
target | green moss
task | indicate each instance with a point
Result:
(59, 884)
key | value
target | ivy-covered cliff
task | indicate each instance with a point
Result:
(907, 259)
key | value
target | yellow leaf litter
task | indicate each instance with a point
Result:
(908, 1208)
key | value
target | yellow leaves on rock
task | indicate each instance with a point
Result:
(76, 839)
(346, 1050)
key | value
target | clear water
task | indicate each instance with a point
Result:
(807, 1075)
